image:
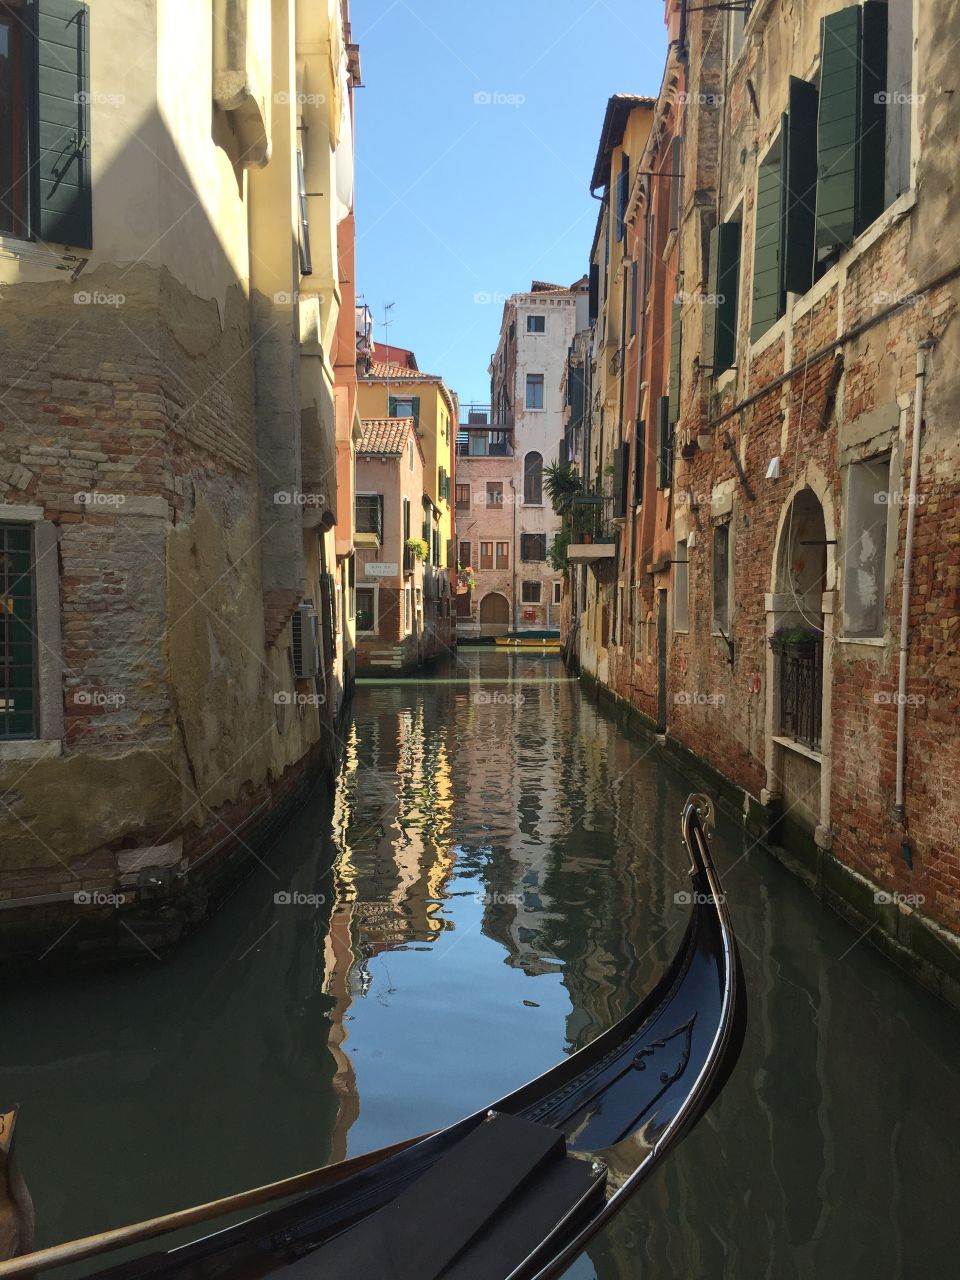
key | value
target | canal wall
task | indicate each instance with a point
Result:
(893, 926)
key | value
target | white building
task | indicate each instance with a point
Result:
(526, 374)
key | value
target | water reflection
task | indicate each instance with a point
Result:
(499, 869)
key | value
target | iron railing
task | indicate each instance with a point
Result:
(800, 685)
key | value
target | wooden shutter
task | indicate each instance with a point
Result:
(594, 309)
(664, 444)
(799, 186)
(676, 342)
(634, 284)
(724, 287)
(621, 472)
(415, 403)
(64, 196)
(391, 406)
(768, 301)
(623, 190)
(851, 124)
(639, 461)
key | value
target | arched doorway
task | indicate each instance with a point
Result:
(494, 614)
(798, 628)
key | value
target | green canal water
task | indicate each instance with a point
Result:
(492, 884)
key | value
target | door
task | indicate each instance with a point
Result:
(494, 615)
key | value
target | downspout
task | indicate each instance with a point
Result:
(922, 351)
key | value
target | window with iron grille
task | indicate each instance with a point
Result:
(533, 547)
(530, 592)
(18, 662)
(369, 507)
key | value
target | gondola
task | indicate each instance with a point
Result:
(515, 1191)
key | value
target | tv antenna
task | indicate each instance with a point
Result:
(387, 321)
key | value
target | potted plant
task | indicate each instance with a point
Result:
(418, 548)
(562, 484)
(466, 577)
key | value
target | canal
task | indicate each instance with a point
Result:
(493, 883)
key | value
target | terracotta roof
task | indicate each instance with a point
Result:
(543, 286)
(385, 435)
(392, 372)
(615, 120)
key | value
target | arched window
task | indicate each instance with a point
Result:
(533, 479)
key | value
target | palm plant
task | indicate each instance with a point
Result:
(562, 484)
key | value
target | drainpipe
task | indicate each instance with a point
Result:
(922, 351)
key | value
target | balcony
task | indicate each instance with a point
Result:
(491, 440)
(592, 536)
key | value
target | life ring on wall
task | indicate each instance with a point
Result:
(754, 684)
(682, 664)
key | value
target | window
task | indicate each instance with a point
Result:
(533, 547)
(557, 587)
(466, 554)
(494, 494)
(45, 193)
(369, 509)
(664, 444)
(676, 183)
(366, 609)
(623, 194)
(530, 592)
(463, 497)
(676, 342)
(407, 610)
(533, 479)
(486, 555)
(18, 665)
(406, 520)
(681, 589)
(436, 546)
(634, 297)
(865, 547)
(534, 391)
(405, 407)
(721, 578)
(503, 555)
(536, 324)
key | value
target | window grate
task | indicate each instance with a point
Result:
(18, 662)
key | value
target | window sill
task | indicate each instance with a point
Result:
(799, 748)
(30, 749)
(872, 642)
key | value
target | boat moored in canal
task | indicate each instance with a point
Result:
(514, 1192)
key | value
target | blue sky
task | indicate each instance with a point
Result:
(459, 200)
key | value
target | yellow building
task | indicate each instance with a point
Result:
(396, 388)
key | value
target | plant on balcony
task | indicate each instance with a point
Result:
(418, 548)
(557, 551)
(562, 484)
(794, 639)
(466, 577)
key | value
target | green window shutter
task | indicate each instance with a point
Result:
(639, 461)
(621, 471)
(676, 343)
(851, 124)
(415, 401)
(664, 444)
(768, 300)
(871, 172)
(63, 193)
(594, 300)
(800, 186)
(623, 192)
(724, 287)
(392, 407)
